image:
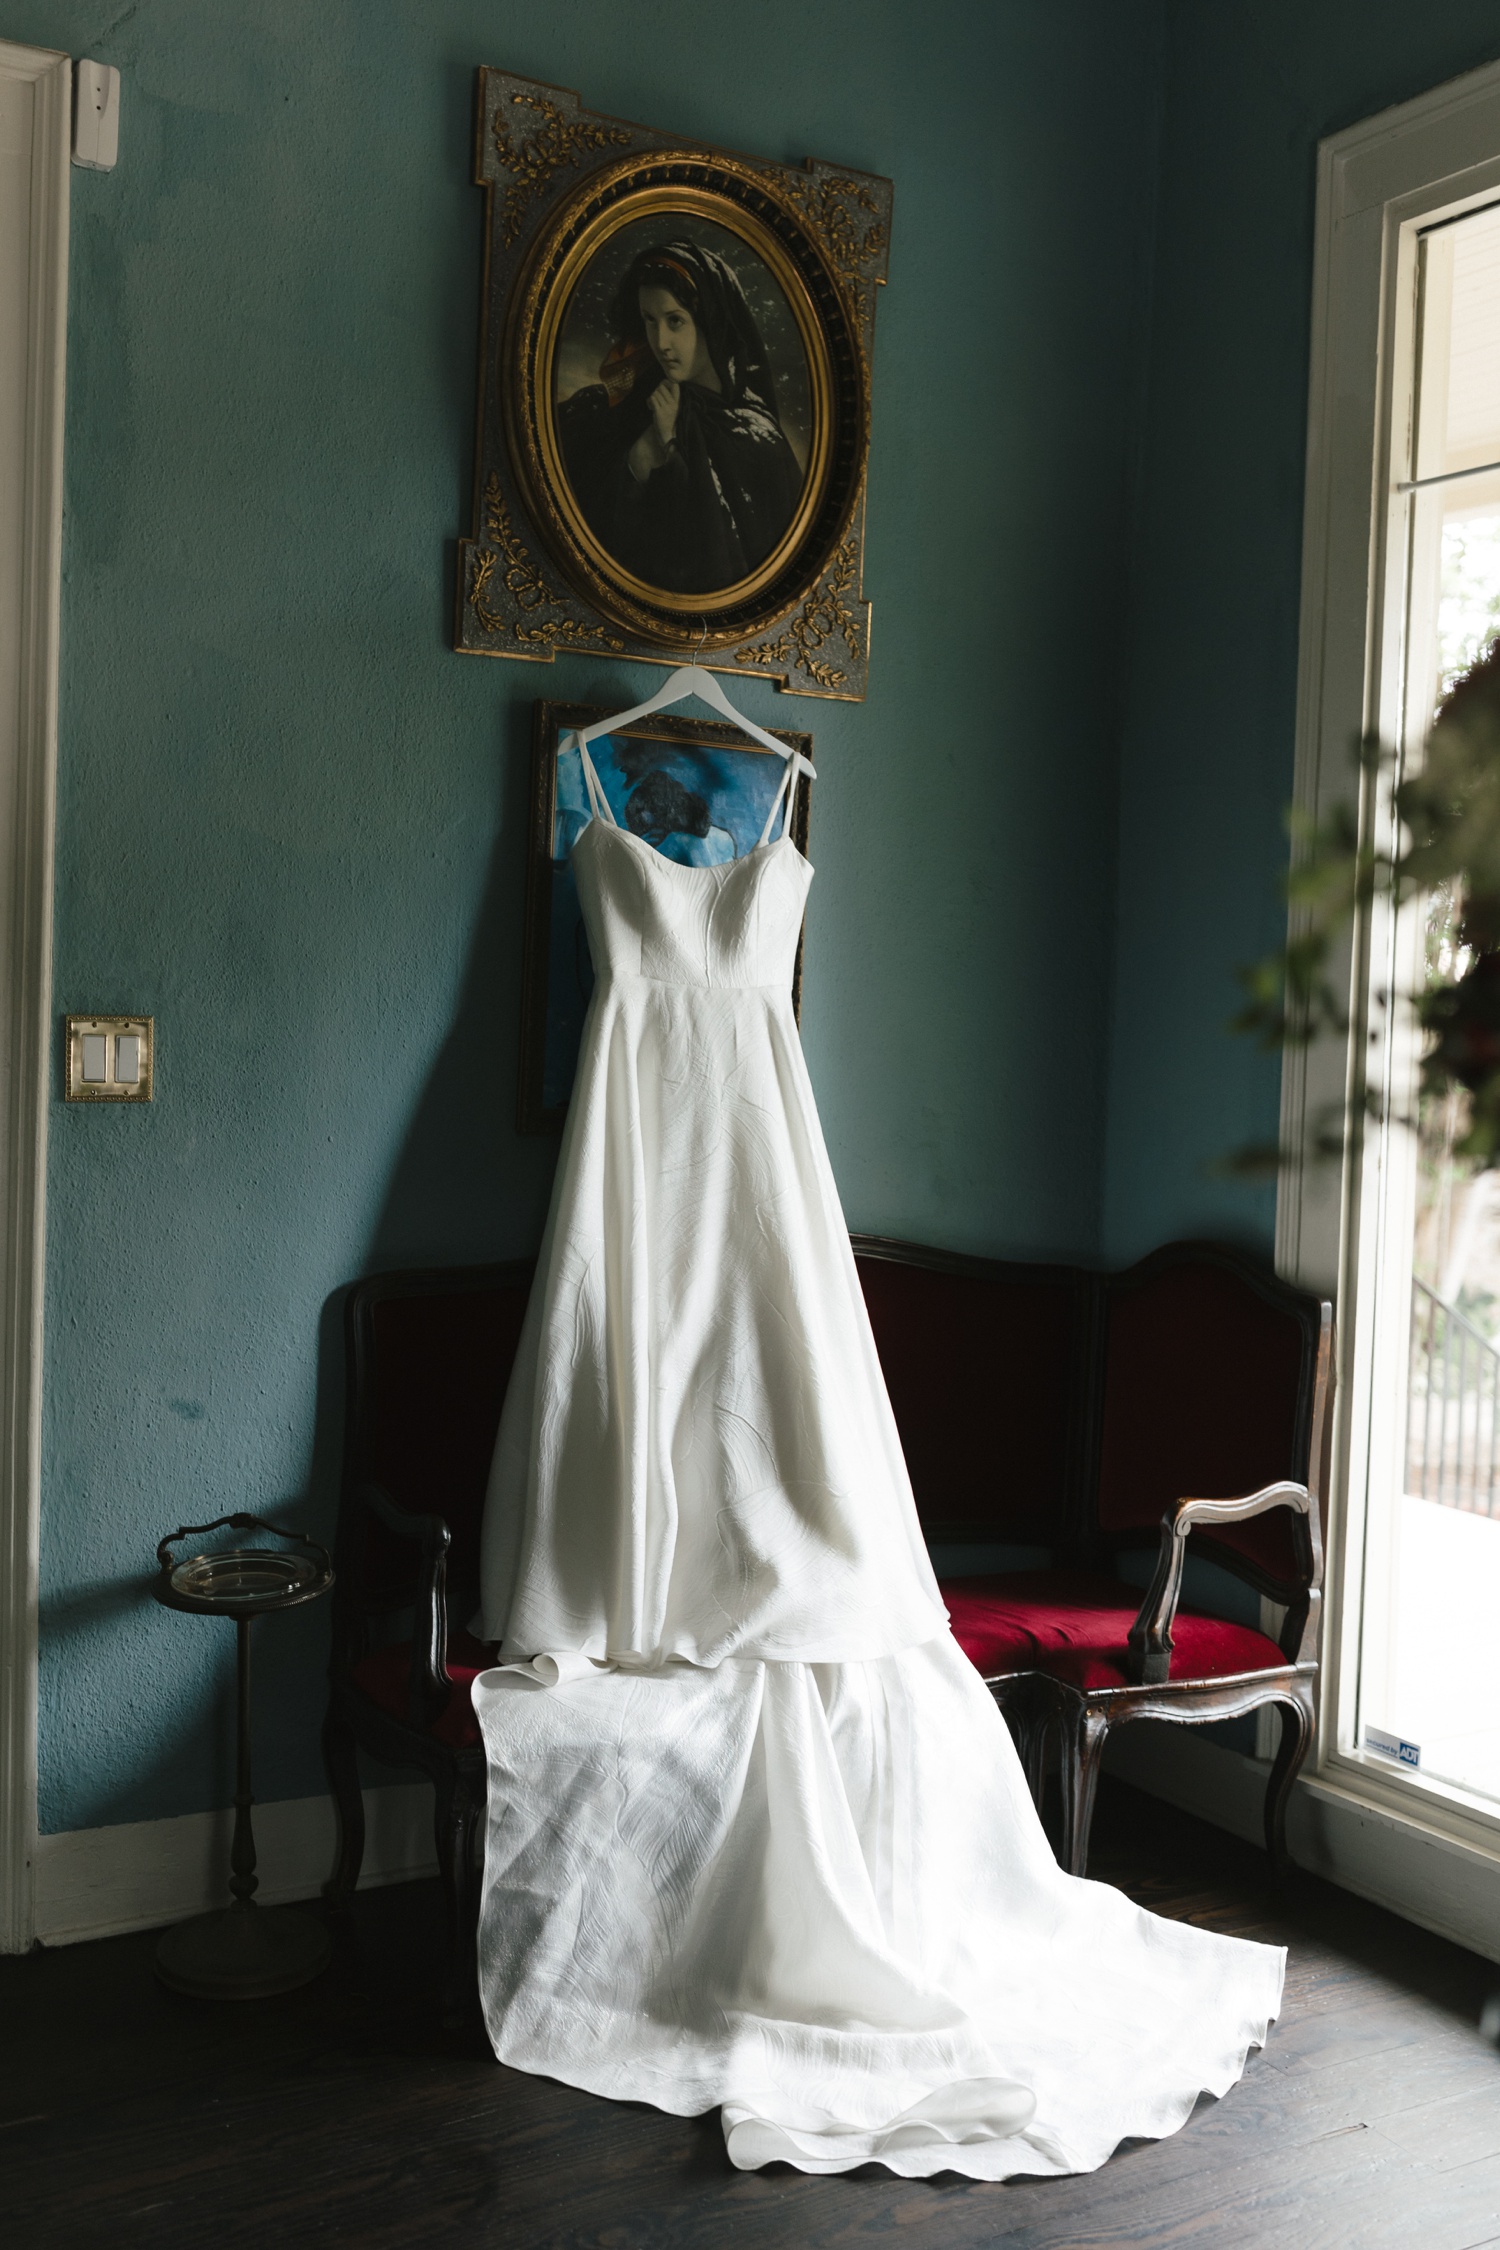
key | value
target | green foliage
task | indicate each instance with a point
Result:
(1447, 820)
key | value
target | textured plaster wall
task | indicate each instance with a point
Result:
(291, 820)
(1251, 86)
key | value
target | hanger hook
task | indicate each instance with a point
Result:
(702, 641)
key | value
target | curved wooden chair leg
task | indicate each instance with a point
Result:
(1013, 1712)
(343, 1778)
(458, 1812)
(1028, 1721)
(1083, 1740)
(1296, 1714)
(1038, 1736)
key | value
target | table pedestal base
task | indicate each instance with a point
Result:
(243, 1952)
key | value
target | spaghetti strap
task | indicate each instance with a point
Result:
(782, 801)
(599, 804)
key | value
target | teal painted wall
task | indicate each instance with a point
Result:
(1206, 763)
(291, 820)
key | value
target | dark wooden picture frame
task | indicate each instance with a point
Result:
(625, 505)
(736, 781)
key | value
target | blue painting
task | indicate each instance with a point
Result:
(695, 799)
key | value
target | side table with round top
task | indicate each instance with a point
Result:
(242, 1951)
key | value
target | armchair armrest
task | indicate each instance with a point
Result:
(1151, 1634)
(429, 1683)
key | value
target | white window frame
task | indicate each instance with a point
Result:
(1378, 184)
(33, 331)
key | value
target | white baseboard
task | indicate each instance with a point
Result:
(98, 1882)
(1446, 1886)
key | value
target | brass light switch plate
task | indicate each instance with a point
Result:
(109, 1058)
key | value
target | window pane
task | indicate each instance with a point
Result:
(1469, 408)
(1431, 1581)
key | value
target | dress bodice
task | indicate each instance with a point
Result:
(723, 927)
(697, 1461)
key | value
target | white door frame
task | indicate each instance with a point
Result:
(1377, 184)
(33, 285)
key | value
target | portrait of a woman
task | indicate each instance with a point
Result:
(677, 455)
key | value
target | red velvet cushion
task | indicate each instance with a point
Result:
(1200, 1401)
(1074, 1628)
(384, 1676)
(978, 1368)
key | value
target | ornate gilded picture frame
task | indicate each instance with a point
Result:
(674, 399)
(697, 790)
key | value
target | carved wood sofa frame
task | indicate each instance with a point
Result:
(1042, 1708)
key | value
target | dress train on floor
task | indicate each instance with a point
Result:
(817, 1896)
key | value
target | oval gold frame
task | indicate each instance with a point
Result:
(759, 240)
(740, 200)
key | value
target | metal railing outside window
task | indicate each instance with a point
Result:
(1453, 1408)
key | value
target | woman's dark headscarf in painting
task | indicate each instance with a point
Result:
(730, 484)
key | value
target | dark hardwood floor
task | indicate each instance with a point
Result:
(341, 2114)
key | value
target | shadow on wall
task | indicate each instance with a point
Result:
(192, 1759)
(204, 1735)
(467, 1187)
(194, 1755)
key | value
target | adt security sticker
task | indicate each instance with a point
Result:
(1391, 1746)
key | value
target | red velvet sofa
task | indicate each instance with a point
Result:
(1112, 1419)
(1048, 1414)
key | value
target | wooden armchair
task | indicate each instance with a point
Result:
(1096, 1416)
(429, 1357)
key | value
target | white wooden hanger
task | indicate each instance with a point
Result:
(691, 679)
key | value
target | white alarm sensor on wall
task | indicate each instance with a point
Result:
(96, 115)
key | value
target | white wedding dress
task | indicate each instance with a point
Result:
(758, 1837)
